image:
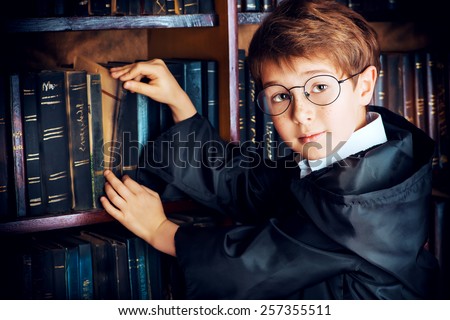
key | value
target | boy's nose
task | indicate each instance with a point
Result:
(302, 111)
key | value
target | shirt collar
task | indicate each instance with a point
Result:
(370, 135)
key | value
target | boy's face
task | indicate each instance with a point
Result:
(314, 131)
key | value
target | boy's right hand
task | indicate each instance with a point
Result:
(162, 86)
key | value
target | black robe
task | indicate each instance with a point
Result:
(353, 230)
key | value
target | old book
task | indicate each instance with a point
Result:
(54, 141)
(85, 284)
(112, 92)
(18, 155)
(250, 92)
(408, 87)
(99, 7)
(211, 91)
(117, 266)
(79, 145)
(395, 82)
(101, 266)
(35, 190)
(420, 90)
(191, 6)
(159, 7)
(94, 94)
(5, 155)
(381, 87)
(430, 107)
(242, 97)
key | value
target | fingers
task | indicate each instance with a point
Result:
(132, 185)
(117, 186)
(113, 211)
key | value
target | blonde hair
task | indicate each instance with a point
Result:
(314, 28)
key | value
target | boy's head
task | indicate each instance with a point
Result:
(315, 64)
(314, 29)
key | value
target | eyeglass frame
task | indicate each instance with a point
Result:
(304, 91)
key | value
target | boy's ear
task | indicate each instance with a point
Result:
(367, 80)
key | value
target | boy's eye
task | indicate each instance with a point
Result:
(281, 97)
(318, 88)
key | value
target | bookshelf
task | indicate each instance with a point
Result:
(49, 42)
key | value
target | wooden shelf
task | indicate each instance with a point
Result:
(251, 17)
(78, 219)
(109, 23)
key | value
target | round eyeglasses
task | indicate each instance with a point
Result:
(321, 90)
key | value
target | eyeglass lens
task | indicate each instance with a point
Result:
(320, 90)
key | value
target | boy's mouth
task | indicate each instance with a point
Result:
(310, 137)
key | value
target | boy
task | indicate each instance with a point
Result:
(344, 218)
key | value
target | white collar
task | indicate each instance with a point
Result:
(370, 135)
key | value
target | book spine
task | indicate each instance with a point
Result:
(408, 87)
(395, 83)
(55, 142)
(18, 146)
(78, 125)
(194, 84)
(420, 90)
(5, 192)
(191, 6)
(94, 87)
(430, 104)
(159, 7)
(380, 92)
(250, 105)
(170, 6)
(242, 97)
(211, 92)
(128, 131)
(35, 190)
(267, 5)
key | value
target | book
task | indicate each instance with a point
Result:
(190, 79)
(420, 90)
(85, 285)
(54, 141)
(79, 145)
(101, 266)
(211, 91)
(35, 190)
(409, 110)
(242, 97)
(94, 95)
(251, 6)
(5, 148)
(394, 82)
(112, 92)
(18, 155)
(250, 91)
(381, 86)
(42, 272)
(159, 7)
(117, 266)
(430, 107)
(191, 6)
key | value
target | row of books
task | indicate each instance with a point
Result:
(74, 8)
(84, 264)
(61, 128)
(416, 85)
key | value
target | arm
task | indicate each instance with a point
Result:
(140, 210)
(161, 87)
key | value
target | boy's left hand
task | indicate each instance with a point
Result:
(140, 210)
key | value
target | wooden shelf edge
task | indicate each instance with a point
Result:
(109, 22)
(251, 17)
(77, 219)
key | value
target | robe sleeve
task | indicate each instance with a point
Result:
(226, 177)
